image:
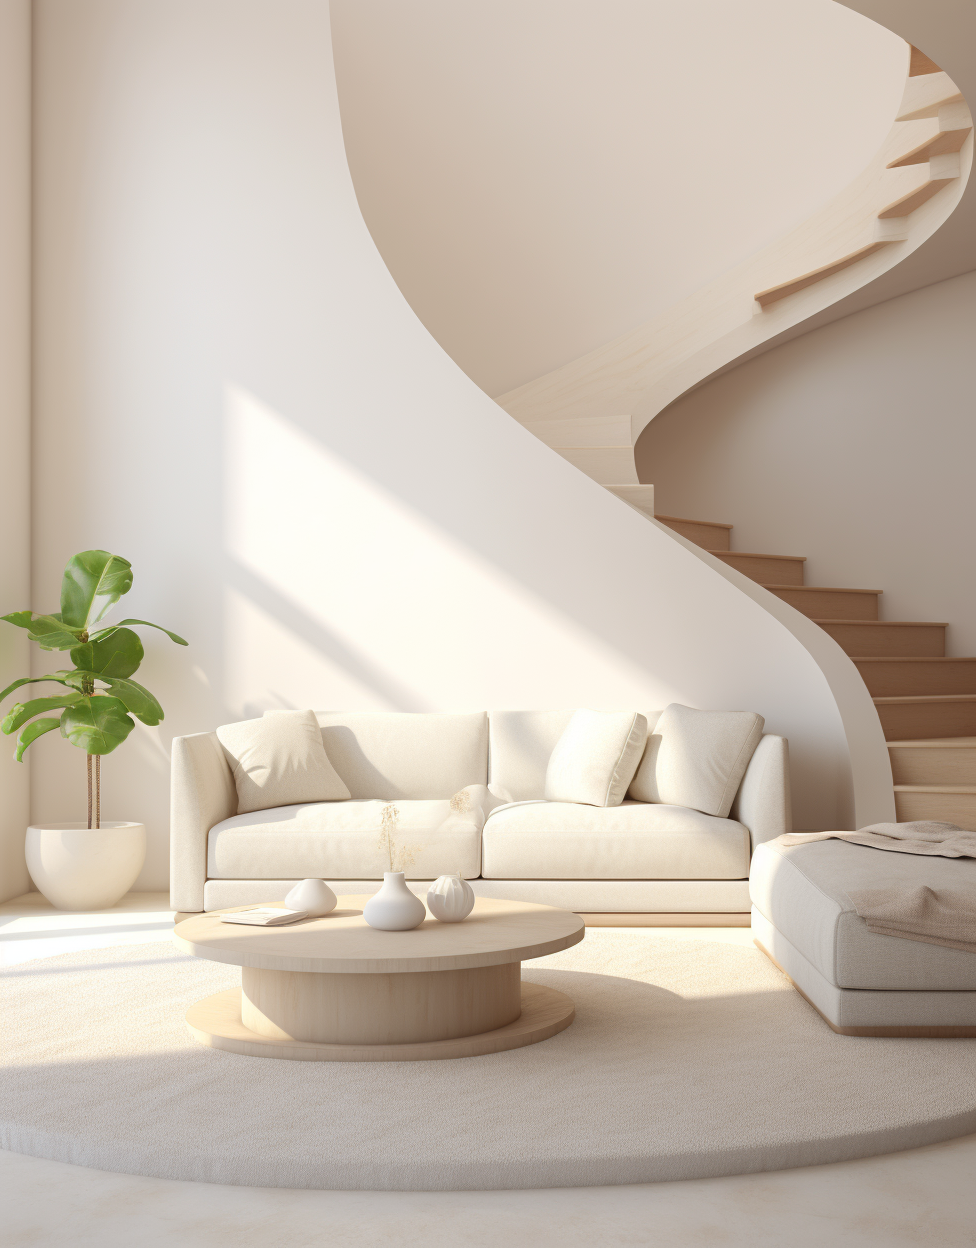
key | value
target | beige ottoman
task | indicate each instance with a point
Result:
(863, 984)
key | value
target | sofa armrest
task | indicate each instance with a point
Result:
(762, 803)
(202, 794)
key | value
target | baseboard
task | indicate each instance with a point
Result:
(904, 1033)
(683, 919)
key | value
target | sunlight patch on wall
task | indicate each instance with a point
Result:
(366, 601)
(268, 666)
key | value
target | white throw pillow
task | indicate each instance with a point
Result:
(280, 760)
(596, 757)
(697, 758)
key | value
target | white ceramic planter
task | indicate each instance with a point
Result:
(82, 868)
(394, 908)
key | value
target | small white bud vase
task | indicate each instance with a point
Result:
(394, 908)
(450, 899)
(315, 896)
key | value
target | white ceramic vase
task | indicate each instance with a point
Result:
(450, 899)
(82, 868)
(315, 896)
(394, 908)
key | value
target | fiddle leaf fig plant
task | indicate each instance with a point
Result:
(100, 699)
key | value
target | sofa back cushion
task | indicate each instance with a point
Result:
(279, 760)
(697, 758)
(595, 759)
(394, 754)
(522, 743)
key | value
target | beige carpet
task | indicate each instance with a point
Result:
(687, 1059)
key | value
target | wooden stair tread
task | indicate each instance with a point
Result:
(938, 145)
(876, 623)
(774, 293)
(935, 743)
(929, 697)
(751, 554)
(934, 788)
(823, 589)
(908, 658)
(919, 63)
(907, 204)
(712, 524)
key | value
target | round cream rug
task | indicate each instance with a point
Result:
(687, 1059)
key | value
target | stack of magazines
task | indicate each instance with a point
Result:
(265, 916)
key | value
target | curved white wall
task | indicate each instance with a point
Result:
(232, 393)
(853, 445)
(15, 59)
(541, 176)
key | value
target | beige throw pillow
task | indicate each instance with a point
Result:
(280, 761)
(596, 757)
(697, 758)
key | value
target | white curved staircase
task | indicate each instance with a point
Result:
(925, 700)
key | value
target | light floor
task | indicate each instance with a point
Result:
(923, 1197)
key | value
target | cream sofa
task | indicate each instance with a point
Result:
(639, 857)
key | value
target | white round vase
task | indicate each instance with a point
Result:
(315, 896)
(82, 868)
(450, 899)
(394, 908)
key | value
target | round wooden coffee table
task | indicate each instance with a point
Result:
(337, 990)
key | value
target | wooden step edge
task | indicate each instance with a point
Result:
(711, 524)
(910, 658)
(751, 554)
(919, 63)
(879, 623)
(944, 141)
(906, 205)
(821, 589)
(774, 293)
(914, 699)
(934, 743)
(935, 788)
(924, 95)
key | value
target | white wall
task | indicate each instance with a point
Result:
(853, 445)
(15, 59)
(233, 394)
(541, 176)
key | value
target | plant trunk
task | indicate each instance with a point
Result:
(89, 792)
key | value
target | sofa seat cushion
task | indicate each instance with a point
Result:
(802, 890)
(538, 840)
(341, 840)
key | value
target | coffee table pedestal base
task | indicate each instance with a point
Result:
(217, 1022)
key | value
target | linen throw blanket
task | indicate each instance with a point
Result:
(945, 840)
(945, 916)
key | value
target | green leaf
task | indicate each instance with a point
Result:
(59, 677)
(136, 699)
(116, 652)
(93, 581)
(47, 630)
(172, 636)
(96, 725)
(24, 711)
(37, 729)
